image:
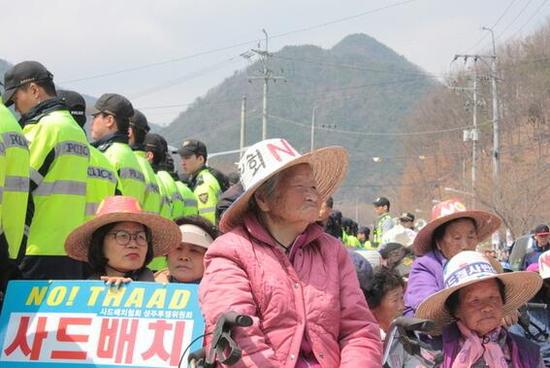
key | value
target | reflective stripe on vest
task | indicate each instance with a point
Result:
(35, 176)
(91, 209)
(152, 187)
(71, 148)
(61, 187)
(176, 196)
(207, 210)
(15, 139)
(130, 173)
(16, 184)
(95, 172)
(190, 202)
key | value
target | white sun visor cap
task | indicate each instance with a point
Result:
(193, 234)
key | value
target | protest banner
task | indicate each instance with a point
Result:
(88, 324)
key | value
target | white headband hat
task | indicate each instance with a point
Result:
(193, 234)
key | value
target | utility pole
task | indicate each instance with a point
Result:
(243, 126)
(474, 138)
(496, 139)
(312, 145)
(472, 134)
(267, 76)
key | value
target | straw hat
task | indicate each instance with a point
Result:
(267, 158)
(443, 212)
(469, 267)
(165, 233)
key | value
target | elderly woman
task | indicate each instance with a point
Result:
(469, 311)
(121, 240)
(451, 230)
(277, 265)
(186, 260)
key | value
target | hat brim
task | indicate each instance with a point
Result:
(519, 288)
(94, 110)
(165, 233)
(329, 164)
(7, 96)
(486, 224)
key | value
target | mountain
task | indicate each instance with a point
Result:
(357, 87)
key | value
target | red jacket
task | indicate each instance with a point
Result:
(316, 296)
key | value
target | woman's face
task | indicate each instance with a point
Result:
(185, 262)
(129, 257)
(296, 198)
(480, 306)
(391, 307)
(460, 234)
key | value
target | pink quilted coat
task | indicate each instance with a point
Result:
(317, 297)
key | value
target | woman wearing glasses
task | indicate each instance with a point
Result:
(121, 240)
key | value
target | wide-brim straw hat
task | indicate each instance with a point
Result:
(486, 224)
(267, 158)
(470, 267)
(165, 233)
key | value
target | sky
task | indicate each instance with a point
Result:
(164, 54)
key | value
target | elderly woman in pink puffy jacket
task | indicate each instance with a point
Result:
(277, 265)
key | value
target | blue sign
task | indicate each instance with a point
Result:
(88, 324)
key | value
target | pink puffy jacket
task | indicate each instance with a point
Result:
(318, 296)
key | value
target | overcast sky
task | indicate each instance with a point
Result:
(168, 52)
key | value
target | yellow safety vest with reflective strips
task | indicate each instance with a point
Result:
(16, 182)
(132, 180)
(189, 199)
(59, 157)
(207, 191)
(151, 202)
(102, 181)
(172, 193)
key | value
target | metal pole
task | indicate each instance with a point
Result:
(496, 140)
(243, 126)
(266, 80)
(264, 112)
(312, 145)
(474, 138)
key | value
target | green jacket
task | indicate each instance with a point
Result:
(207, 191)
(132, 180)
(151, 202)
(59, 157)
(102, 181)
(16, 181)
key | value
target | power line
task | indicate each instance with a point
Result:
(376, 134)
(236, 45)
(182, 79)
(514, 20)
(355, 67)
(492, 27)
(535, 13)
(308, 92)
(340, 20)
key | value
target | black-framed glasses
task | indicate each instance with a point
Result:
(123, 237)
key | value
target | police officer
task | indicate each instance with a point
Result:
(111, 121)
(14, 196)
(102, 177)
(203, 183)
(59, 158)
(383, 221)
(173, 203)
(157, 153)
(137, 132)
